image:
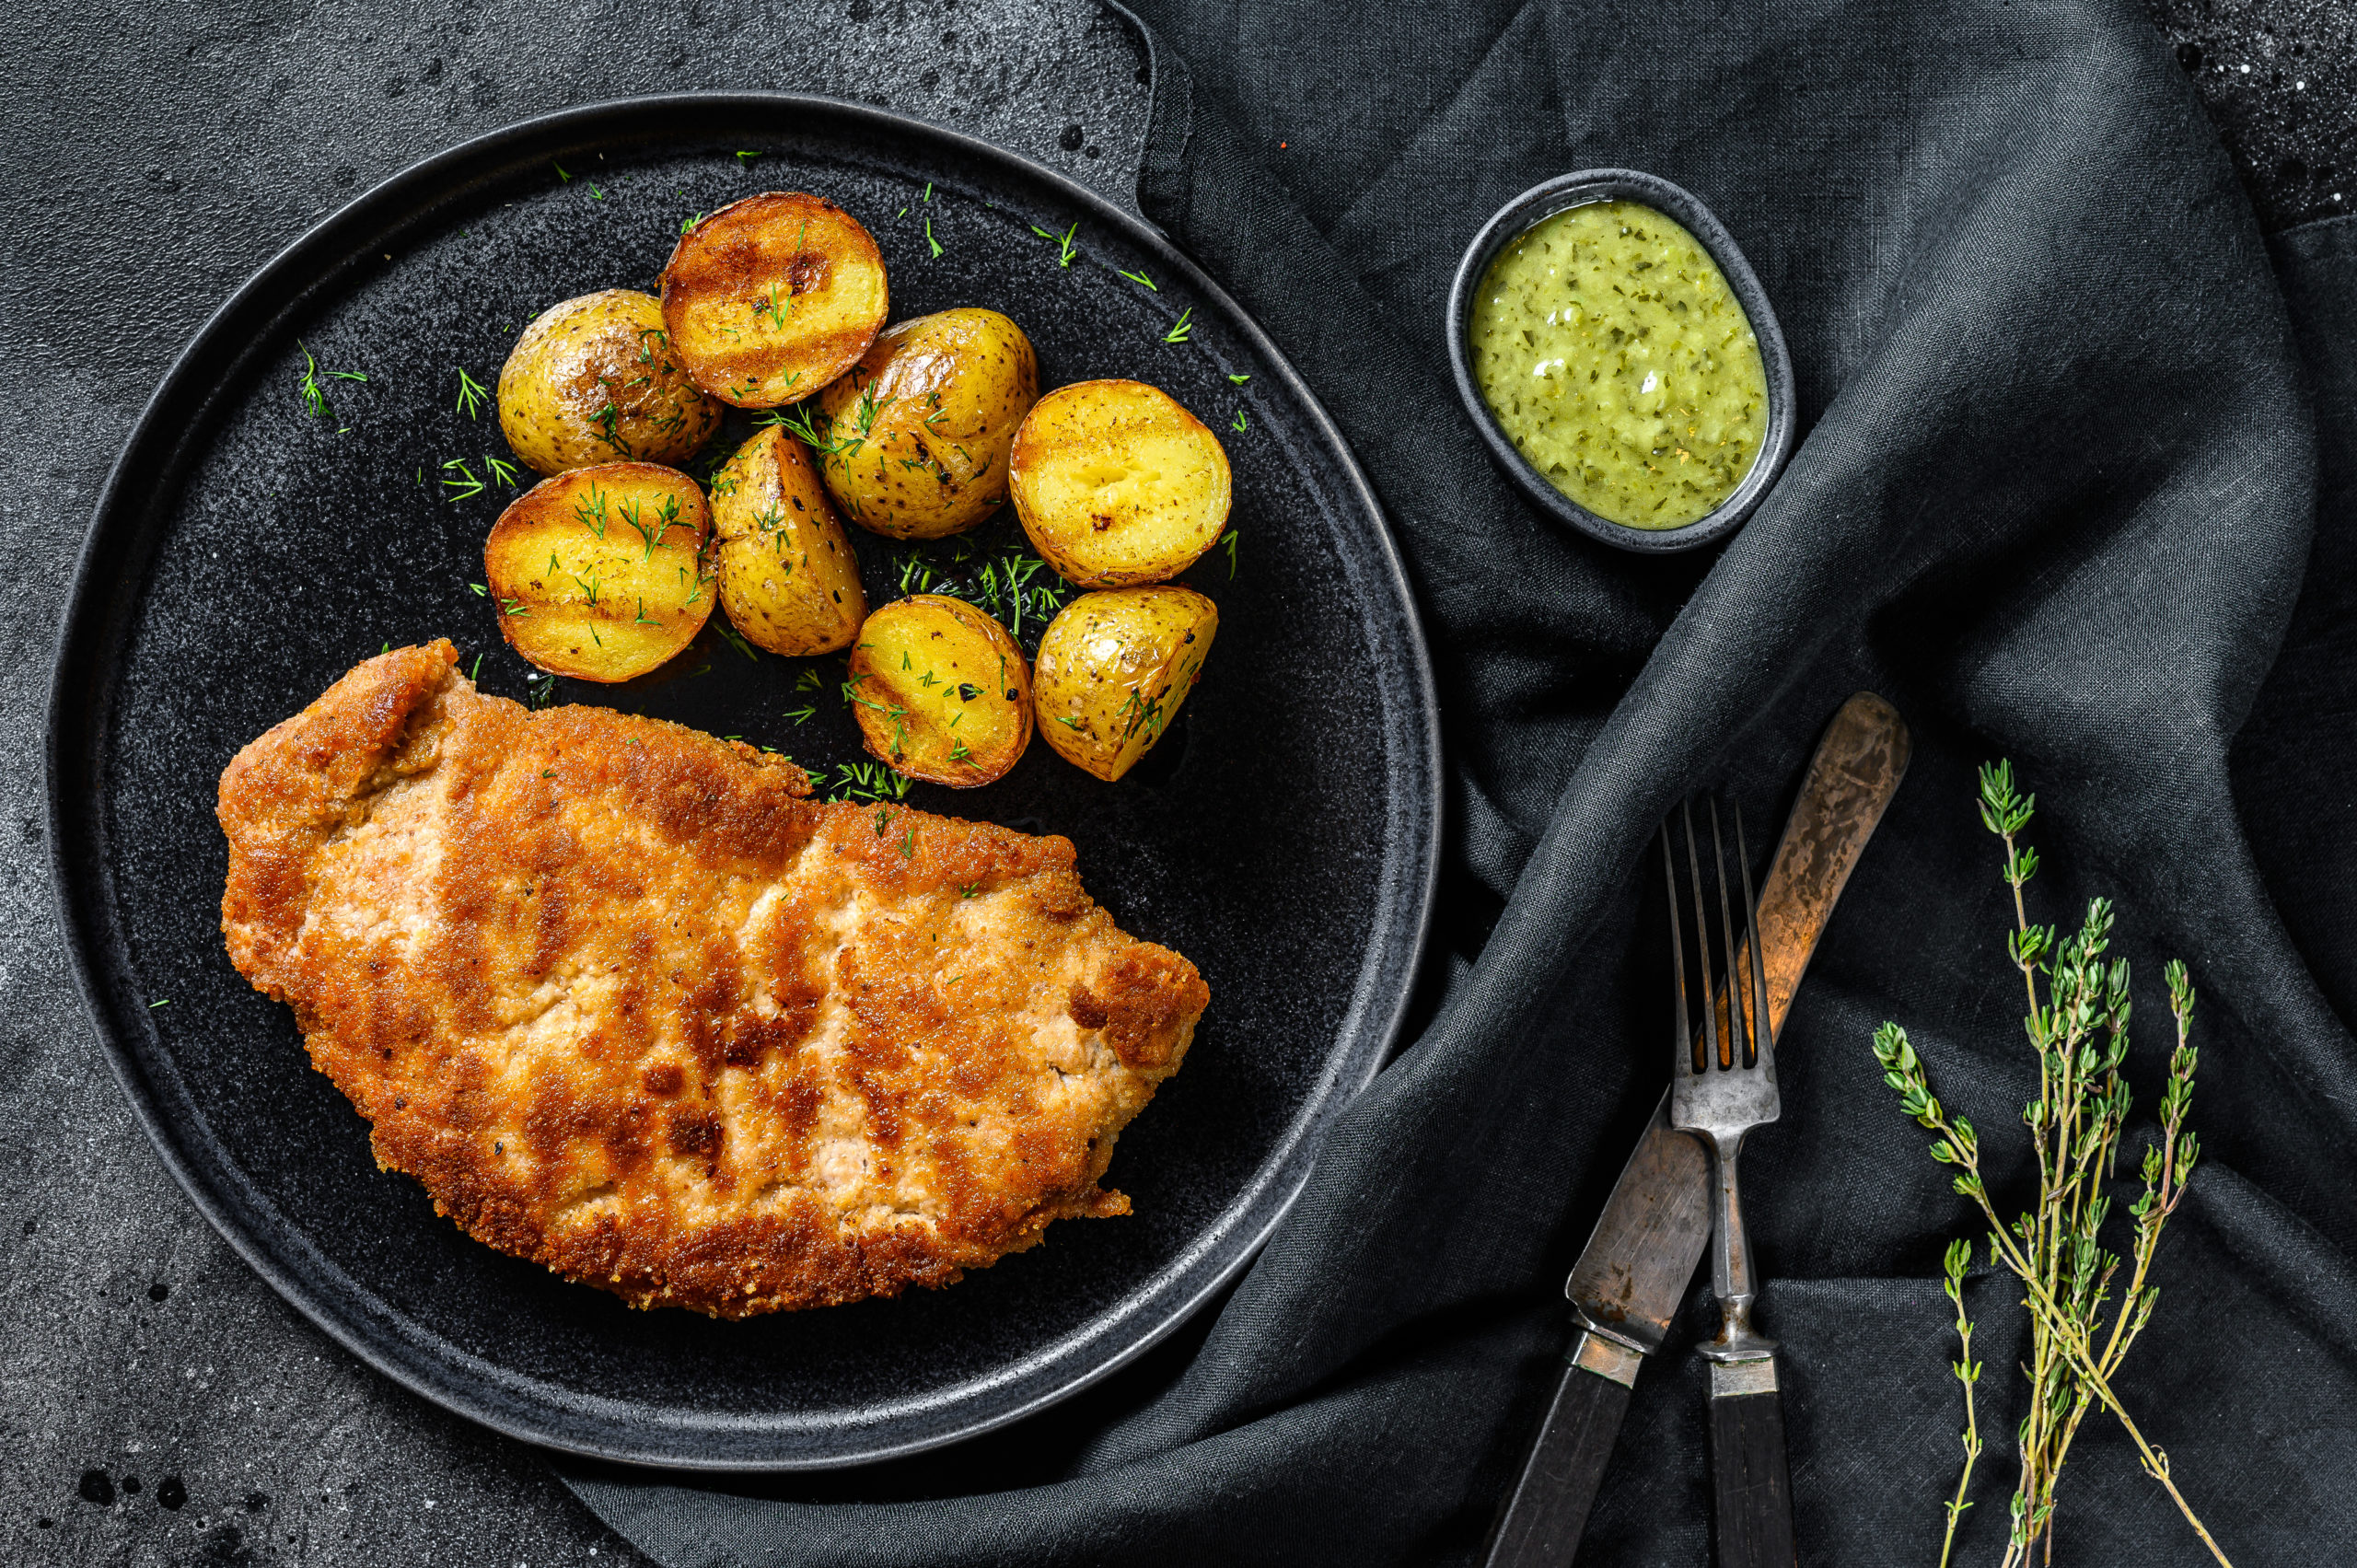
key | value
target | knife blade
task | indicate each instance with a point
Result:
(1634, 1271)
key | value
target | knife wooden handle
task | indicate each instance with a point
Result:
(1547, 1508)
(1749, 1476)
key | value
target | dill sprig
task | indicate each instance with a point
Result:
(867, 783)
(736, 640)
(1065, 249)
(314, 395)
(1012, 585)
(1183, 331)
(471, 394)
(2077, 1023)
(1140, 279)
(459, 481)
(933, 244)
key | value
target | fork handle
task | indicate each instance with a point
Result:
(1751, 1480)
(1546, 1512)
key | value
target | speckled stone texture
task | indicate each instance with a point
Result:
(157, 1404)
(2279, 78)
(154, 156)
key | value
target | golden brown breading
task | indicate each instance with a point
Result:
(631, 1005)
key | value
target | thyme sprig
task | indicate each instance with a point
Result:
(1968, 1372)
(2079, 1011)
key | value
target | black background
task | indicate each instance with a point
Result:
(153, 160)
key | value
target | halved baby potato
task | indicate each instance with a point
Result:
(594, 381)
(599, 572)
(788, 578)
(941, 691)
(1117, 484)
(924, 420)
(772, 297)
(1113, 668)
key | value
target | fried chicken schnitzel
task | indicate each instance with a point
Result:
(629, 1004)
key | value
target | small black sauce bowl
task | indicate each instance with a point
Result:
(1544, 201)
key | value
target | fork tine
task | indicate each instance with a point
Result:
(1701, 934)
(1730, 1053)
(1763, 1039)
(1685, 1058)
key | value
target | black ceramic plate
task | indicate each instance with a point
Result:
(247, 552)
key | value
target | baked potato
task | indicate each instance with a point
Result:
(600, 572)
(1113, 668)
(594, 381)
(925, 421)
(941, 690)
(787, 577)
(1117, 484)
(772, 297)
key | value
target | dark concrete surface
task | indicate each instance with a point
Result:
(157, 1404)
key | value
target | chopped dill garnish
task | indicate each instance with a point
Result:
(688, 223)
(1240, 425)
(1230, 543)
(867, 784)
(1180, 334)
(1139, 278)
(502, 471)
(596, 194)
(592, 513)
(736, 641)
(744, 158)
(1238, 380)
(929, 240)
(561, 175)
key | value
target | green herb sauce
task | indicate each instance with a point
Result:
(1619, 363)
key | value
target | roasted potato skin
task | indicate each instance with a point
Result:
(772, 297)
(1114, 666)
(941, 691)
(594, 381)
(788, 580)
(628, 587)
(934, 403)
(1117, 483)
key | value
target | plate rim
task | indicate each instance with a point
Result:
(81, 691)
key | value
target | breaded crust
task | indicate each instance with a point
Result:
(630, 1004)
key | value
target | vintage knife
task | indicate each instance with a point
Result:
(1637, 1265)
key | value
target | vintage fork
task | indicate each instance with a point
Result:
(1724, 1085)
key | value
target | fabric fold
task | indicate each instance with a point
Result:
(2057, 498)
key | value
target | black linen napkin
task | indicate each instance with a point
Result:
(2056, 498)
